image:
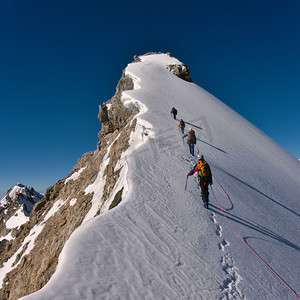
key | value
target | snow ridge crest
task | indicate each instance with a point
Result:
(96, 184)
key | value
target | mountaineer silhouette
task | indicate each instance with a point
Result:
(204, 178)
(181, 125)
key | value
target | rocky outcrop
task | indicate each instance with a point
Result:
(34, 247)
(113, 115)
(66, 203)
(181, 71)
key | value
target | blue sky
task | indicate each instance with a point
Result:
(60, 59)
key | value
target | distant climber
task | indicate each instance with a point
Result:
(204, 178)
(191, 141)
(174, 112)
(181, 125)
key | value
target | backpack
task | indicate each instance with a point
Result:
(191, 136)
(203, 169)
(174, 110)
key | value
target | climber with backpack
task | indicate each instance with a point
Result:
(204, 178)
(174, 112)
(191, 141)
(181, 125)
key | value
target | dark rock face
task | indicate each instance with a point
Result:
(124, 84)
(181, 71)
(136, 58)
(113, 114)
(117, 199)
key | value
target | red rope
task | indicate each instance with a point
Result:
(249, 245)
(224, 193)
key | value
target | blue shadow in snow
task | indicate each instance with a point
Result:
(256, 190)
(211, 145)
(258, 228)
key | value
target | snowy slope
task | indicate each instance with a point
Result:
(160, 243)
(18, 197)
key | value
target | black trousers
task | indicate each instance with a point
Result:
(204, 190)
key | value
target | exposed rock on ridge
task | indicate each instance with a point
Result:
(71, 200)
(66, 203)
(112, 114)
(180, 70)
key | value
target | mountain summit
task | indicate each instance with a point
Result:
(17, 204)
(139, 233)
(15, 208)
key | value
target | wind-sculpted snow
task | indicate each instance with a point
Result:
(160, 243)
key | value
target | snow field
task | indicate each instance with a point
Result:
(161, 243)
(17, 219)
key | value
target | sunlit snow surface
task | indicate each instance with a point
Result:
(160, 243)
(17, 219)
(75, 175)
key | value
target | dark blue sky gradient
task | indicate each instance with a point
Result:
(60, 59)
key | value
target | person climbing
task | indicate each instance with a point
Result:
(204, 178)
(174, 112)
(191, 141)
(181, 125)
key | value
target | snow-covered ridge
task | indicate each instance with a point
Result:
(96, 184)
(161, 238)
(137, 138)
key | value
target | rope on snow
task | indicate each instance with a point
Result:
(243, 240)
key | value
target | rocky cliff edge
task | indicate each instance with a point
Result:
(29, 259)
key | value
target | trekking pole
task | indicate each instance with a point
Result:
(186, 182)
